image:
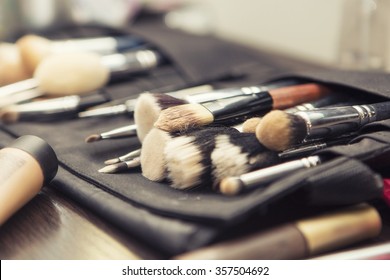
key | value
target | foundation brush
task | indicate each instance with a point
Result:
(279, 130)
(244, 103)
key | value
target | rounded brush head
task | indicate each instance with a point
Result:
(152, 157)
(72, 73)
(12, 68)
(230, 186)
(147, 109)
(183, 117)
(249, 126)
(33, 50)
(279, 131)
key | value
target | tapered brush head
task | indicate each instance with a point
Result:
(183, 117)
(249, 126)
(71, 73)
(148, 108)
(237, 154)
(188, 157)
(279, 131)
(12, 68)
(33, 50)
(152, 157)
(93, 138)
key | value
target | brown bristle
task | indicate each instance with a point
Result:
(93, 138)
(148, 108)
(152, 155)
(249, 126)
(279, 131)
(9, 116)
(183, 117)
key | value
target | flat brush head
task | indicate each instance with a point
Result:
(71, 73)
(183, 117)
(279, 131)
(152, 157)
(33, 50)
(147, 109)
(12, 68)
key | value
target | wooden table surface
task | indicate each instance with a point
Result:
(52, 226)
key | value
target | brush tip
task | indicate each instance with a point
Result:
(114, 168)
(183, 117)
(279, 130)
(93, 138)
(9, 116)
(231, 186)
(249, 126)
(112, 161)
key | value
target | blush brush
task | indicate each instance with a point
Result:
(243, 103)
(279, 130)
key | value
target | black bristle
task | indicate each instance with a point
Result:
(166, 101)
(298, 129)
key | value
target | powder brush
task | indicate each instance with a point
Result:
(246, 102)
(279, 130)
(33, 49)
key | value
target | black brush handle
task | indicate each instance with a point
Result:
(382, 110)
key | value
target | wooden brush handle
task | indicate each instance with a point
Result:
(287, 97)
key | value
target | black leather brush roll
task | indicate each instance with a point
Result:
(175, 221)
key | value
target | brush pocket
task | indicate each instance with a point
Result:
(175, 221)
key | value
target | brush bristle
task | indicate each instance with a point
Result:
(230, 186)
(12, 68)
(249, 126)
(147, 109)
(279, 131)
(71, 73)
(112, 161)
(33, 50)
(152, 157)
(93, 138)
(114, 168)
(183, 117)
(9, 116)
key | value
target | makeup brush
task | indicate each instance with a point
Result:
(34, 49)
(279, 130)
(187, 157)
(129, 156)
(259, 178)
(299, 239)
(247, 102)
(12, 68)
(238, 154)
(128, 105)
(79, 73)
(121, 166)
(50, 109)
(117, 133)
(147, 109)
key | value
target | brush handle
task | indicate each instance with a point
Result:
(382, 110)
(121, 132)
(287, 97)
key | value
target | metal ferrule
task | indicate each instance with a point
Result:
(223, 93)
(51, 106)
(302, 151)
(122, 132)
(132, 61)
(272, 173)
(301, 107)
(322, 123)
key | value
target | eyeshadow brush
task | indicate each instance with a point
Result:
(117, 133)
(129, 156)
(279, 130)
(246, 102)
(121, 166)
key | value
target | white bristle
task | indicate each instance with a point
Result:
(227, 159)
(183, 159)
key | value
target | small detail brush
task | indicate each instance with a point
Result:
(245, 103)
(126, 157)
(279, 130)
(259, 178)
(121, 166)
(117, 133)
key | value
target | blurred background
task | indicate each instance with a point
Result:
(350, 34)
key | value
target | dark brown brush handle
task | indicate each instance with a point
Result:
(287, 97)
(281, 243)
